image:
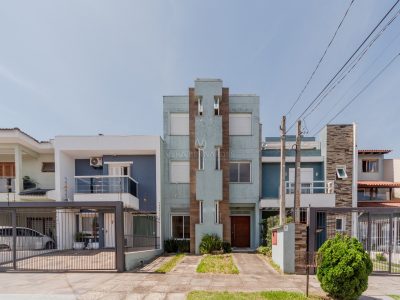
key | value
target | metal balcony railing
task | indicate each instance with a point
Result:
(106, 184)
(7, 185)
(315, 187)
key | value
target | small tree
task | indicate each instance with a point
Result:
(344, 267)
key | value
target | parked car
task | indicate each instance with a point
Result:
(27, 239)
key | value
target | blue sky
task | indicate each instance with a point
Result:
(87, 67)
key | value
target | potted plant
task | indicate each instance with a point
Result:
(79, 243)
(28, 183)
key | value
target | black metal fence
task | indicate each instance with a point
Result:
(378, 229)
(61, 236)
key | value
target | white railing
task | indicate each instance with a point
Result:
(314, 187)
(103, 184)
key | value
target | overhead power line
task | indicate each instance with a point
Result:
(353, 64)
(333, 107)
(362, 90)
(320, 60)
(345, 64)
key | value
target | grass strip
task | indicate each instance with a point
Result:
(270, 295)
(217, 264)
(171, 264)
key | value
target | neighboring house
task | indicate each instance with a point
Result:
(378, 179)
(327, 177)
(212, 165)
(111, 168)
(27, 175)
(26, 167)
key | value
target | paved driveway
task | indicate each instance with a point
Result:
(255, 275)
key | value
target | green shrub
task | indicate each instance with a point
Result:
(176, 246)
(226, 246)
(380, 257)
(265, 250)
(344, 267)
(210, 243)
(266, 228)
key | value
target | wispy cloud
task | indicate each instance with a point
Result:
(16, 79)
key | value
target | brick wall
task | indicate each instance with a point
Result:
(224, 203)
(300, 248)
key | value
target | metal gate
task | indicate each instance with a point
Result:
(64, 236)
(378, 229)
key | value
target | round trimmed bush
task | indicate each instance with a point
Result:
(344, 267)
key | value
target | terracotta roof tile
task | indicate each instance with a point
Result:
(388, 184)
(374, 151)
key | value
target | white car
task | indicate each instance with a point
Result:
(27, 239)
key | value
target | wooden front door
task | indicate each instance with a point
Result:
(240, 231)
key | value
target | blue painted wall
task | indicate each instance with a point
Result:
(143, 170)
(271, 175)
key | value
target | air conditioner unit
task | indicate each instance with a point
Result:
(96, 162)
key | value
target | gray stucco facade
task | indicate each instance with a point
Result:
(243, 197)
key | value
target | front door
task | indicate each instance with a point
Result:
(240, 231)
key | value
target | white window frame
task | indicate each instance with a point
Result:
(200, 111)
(343, 168)
(217, 105)
(180, 132)
(217, 217)
(201, 158)
(241, 162)
(217, 158)
(177, 163)
(185, 215)
(343, 227)
(368, 160)
(201, 212)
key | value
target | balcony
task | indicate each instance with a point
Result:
(315, 194)
(107, 188)
(315, 187)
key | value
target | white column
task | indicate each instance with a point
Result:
(18, 170)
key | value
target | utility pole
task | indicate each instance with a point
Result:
(282, 198)
(297, 170)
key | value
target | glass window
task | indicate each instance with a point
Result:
(240, 172)
(201, 158)
(200, 103)
(217, 159)
(186, 227)
(201, 211)
(48, 167)
(370, 165)
(144, 225)
(341, 172)
(89, 224)
(216, 106)
(339, 225)
(216, 212)
(244, 172)
(180, 227)
(234, 172)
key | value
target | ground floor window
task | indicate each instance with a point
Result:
(341, 224)
(180, 227)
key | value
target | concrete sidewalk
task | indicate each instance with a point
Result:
(255, 275)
